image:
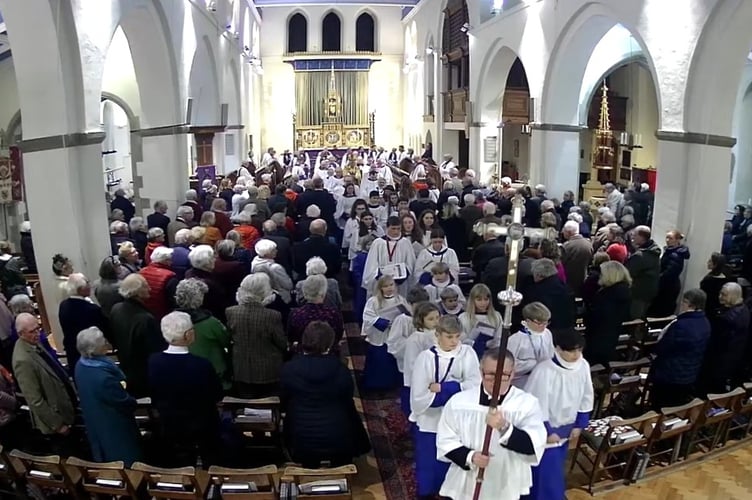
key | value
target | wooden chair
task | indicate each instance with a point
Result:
(662, 434)
(300, 476)
(107, 478)
(628, 374)
(740, 424)
(11, 482)
(180, 483)
(49, 472)
(264, 433)
(603, 454)
(234, 483)
(711, 428)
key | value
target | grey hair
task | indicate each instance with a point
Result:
(315, 265)
(734, 293)
(189, 294)
(575, 217)
(132, 285)
(313, 211)
(314, 287)
(488, 208)
(202, 257)
(136, 223)
(208, 219)
(608, 217)
(89, 341)
(544, 268)
(225, 248)
(118, 227)
(278, 218)
(161, 255)
(21, 303)
(184, 212)
(233, 236)
(191, 195)
(76, 282)
(175, 325)
(183, 237)
(264, 247)
(154, 233)
(159, 204)
(571, 227)
(254, 289)
(469, 198)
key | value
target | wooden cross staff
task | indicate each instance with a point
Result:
(510, 298)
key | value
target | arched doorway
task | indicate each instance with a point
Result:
(515, 117)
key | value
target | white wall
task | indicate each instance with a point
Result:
(119, 76)
(8, 92)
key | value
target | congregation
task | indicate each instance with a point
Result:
(242, 294)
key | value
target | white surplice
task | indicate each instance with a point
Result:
(428, 256)
(402, 327)
(384, 253)
(372, 312)
(529, 349)
(463, 423)
(417, 342)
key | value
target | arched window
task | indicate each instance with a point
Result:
(365, 33)
(331, 33)
(297, 33)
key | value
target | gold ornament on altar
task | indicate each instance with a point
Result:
(333, 101)
(603, 150)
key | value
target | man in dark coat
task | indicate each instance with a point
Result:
(576, 255)
(422, 203)
(548, 289)
(490, 248)
(495, 275)
(317, 245)
(158, 218)
(644, 266)
(320, 197)
(124, 204)
(78, 313)
(679, 354)
(135, 333)
(284, 246)
(27, 248)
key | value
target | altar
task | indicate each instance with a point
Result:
(332, 131)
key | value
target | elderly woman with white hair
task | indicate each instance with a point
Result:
(108, 409)
(314, 309)
(77, 313)
(185, 390)
(180, 251)
(317, 266)
(212, 340)
(192, 201)
(155, 238)
(184, 219)
(241, 254)
(228, 271)
(266, 251)
(129, 260)
(259, 343)
(135, 333)
(218, 299)
(249, 234)
(162, 282)
(118, 235)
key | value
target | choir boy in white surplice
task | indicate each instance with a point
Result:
(517, 442)
(376, 207)
(421, 335)
(393, 254)
(380, 371)
(439, 373)
(564, 390)
(441, 280)
(437, 251)
(450, 303)
(531, 345)
(480, 322)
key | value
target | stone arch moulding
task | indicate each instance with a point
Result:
(494, 72)
(15, 122)
(133, 120)
(569, 59)
(712, 81)
(594, 86)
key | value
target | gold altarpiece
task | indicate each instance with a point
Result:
(332, 132)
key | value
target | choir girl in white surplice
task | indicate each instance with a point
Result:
(344, 205)
(480, 321)
(531, 345)
(391, 254)
(380, 371)
(412, 232)
(351, 226)
(366, 225)
(422, 336)
(439, 372)
(436, 252)
(564, 389)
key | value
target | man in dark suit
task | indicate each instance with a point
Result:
(124, 204)
(284, 247)
(320, 197)
(422, 203)
(76, 313)
(490, 248)
(158, 218)
(548, 289)
(317, 245)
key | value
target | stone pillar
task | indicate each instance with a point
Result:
(554, 157)
(692, 194)
(67, 208)
(162, 172)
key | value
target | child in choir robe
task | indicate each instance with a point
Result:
(422, 336)
(450, 303)
(533, 344)
(412, 232)
(351, 226)
(480, 321)
(344, 205)
(380, 371)
(564, 390)
(391, 254)
(376, 208)
(358, 266)
(439, 373)
(441, 280)
(428, 224)
(437, 251)
(366, 226)
(517, 441)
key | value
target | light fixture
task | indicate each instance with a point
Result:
(466, 27)
(637, 141)
(526, 129)
(429, 50)
(624, 139)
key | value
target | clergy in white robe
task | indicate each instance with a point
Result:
(446, 166)
(439, 373)
(391, 254)
(517, 442)
(564, 389)
(533, 344)
(437, 251)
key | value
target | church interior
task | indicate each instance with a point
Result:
(407, 139)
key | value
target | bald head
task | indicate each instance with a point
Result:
(318, 227)
(27, 327)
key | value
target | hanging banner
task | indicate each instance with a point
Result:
(11, 181)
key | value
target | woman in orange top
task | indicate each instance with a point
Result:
(212, 235)
(248, 234)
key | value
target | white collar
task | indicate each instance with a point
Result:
(566, 364)
(441, 285)
(176, 349)
(438, 351)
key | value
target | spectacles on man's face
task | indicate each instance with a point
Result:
(491, 376)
